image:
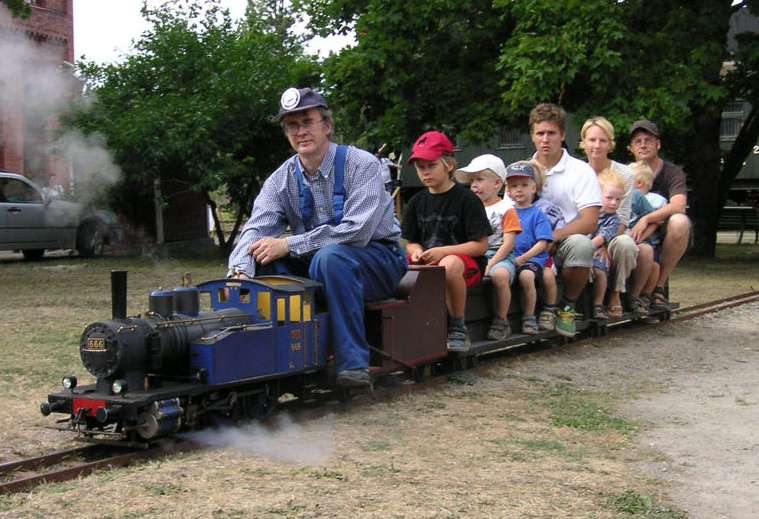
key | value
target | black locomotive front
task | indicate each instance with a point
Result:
(142, 364)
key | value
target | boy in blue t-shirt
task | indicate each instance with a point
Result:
(532, 243)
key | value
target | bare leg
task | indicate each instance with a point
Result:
(455, 286)
(550, 290)
(527, 282)
(652, 279)
(643, 271)
(575, 279)
(501, 280)
(599, 286)
(674, 246)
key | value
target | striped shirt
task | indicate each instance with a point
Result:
(367, 215)
(625, 208)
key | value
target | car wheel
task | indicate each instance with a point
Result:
(33, 254)
(90, 241)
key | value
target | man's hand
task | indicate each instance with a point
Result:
(637, 231)
(266, 250)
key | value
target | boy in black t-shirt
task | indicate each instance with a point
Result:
(446, 225)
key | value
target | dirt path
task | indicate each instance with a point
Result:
(706, 424)
(693, 387)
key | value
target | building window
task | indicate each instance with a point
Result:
(511, 139)
(729, 128)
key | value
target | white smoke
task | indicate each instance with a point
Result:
(279, 439)
(46, 87)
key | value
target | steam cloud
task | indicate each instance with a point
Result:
(279, 439)
(46, 86)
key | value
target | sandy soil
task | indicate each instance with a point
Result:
(693, 387)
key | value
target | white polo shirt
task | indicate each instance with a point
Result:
(572, 185)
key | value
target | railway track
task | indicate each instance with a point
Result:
(690, 312)
(21, 475)
(65, 465)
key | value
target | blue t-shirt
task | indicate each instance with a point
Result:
(608, 224)
(639, 207)
(535, 227)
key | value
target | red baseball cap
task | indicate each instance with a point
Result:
(431, 146)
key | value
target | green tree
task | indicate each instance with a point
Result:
(470, 66)
(18, 8)
(415, 66)
(192, 103)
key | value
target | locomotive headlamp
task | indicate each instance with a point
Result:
(119, 386)
(69, 382)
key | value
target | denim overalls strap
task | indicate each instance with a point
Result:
(306, 197)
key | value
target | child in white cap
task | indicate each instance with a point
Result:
(487, 176)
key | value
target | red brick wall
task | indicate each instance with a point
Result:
(50, 31)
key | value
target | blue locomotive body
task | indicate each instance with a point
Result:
(286, 334)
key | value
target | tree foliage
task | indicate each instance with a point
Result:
(416, 66)
(18, 8)
(470, 66)
(192, 103)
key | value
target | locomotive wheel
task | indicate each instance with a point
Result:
(420, 373)
(258, 407)
(343, 394)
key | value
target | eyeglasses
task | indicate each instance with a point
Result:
(641, 141)
(292, 127)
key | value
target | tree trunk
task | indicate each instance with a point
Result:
(702, 164)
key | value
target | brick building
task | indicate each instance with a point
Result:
(35, 78)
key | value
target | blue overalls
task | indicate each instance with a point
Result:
(351, 275)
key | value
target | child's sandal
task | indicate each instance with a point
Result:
(615, 311)
(599, 312)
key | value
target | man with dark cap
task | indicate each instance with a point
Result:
(344, 231)
(669, 182)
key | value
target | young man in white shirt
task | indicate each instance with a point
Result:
(571, 184)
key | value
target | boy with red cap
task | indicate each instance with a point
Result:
(446, 225)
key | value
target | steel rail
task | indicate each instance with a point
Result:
(81, 468)
(715, 302)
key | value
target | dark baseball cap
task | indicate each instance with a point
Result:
(646, 126)
(295, 100)
(431, 146)
(520, 169)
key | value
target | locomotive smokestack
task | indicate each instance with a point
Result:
(119, 294)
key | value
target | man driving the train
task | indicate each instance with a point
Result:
(344, 231)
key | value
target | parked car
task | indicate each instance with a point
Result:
(31, 221)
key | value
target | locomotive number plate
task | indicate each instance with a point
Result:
(95, 344)
(295, 346)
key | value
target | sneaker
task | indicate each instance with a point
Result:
(354, 378)
(547, 320)
(640, 307)
(530, 325)
(458, 340)
(499, 330)
(565, 321)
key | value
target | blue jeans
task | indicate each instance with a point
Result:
(351, 276)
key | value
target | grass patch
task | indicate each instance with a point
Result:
(380, 471)
(631, 503)
(328, 474)
(582, 410)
